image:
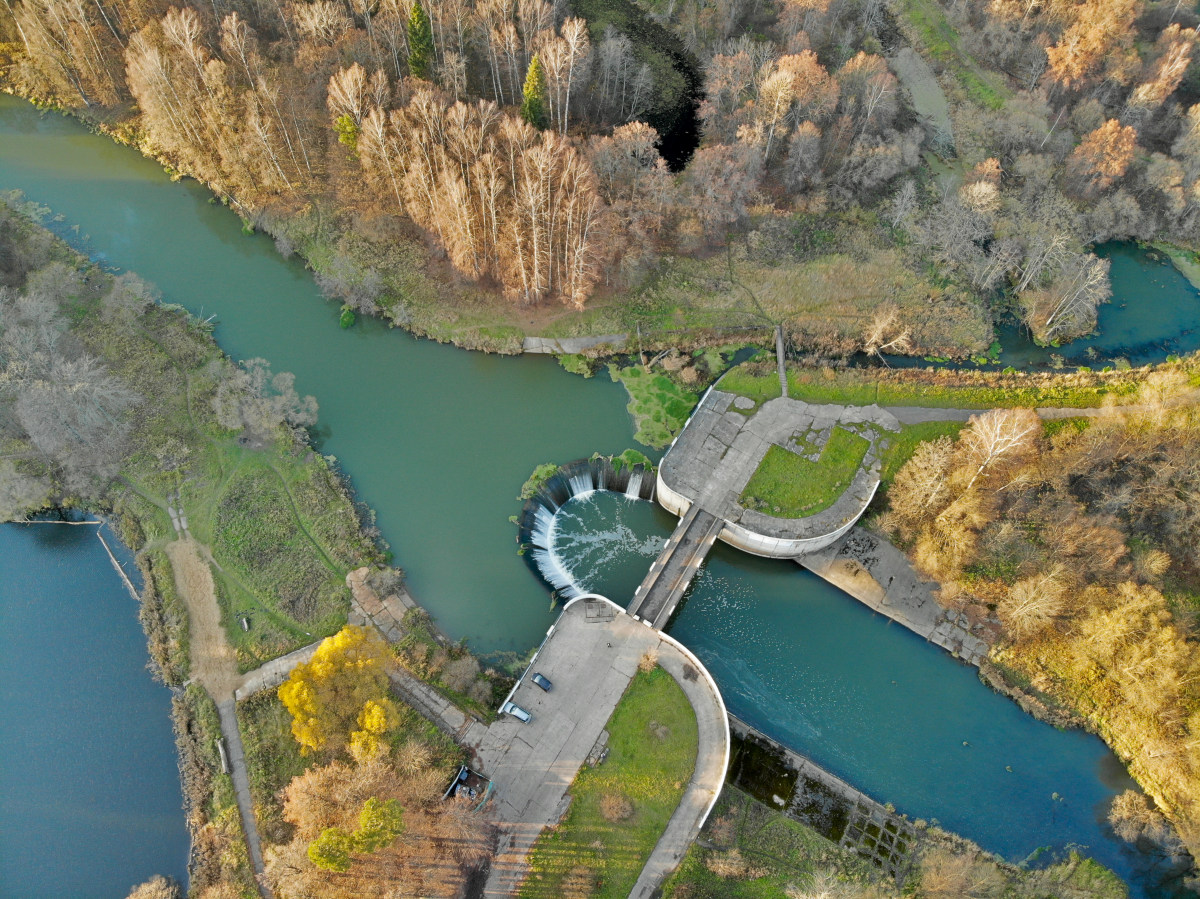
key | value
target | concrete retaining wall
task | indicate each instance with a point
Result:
(755, 543)
(673, 502)
(560, 345)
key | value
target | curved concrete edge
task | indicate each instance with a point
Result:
(741, 537)
(712, 684)
(708, 778)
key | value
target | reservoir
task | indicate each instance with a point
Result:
(439, 441)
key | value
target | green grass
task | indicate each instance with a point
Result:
(789, 486)
(784, 852)
(939, 388)
(278, 521)
(941, 42)
(272, 759)
(902, 446)
(273, 756)
(652, 754)
(660, 407)
(779, 853)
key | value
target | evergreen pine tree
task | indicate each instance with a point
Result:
(533, 107)
(420, 43)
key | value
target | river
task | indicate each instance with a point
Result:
(439, 441)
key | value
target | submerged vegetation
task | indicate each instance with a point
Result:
(660, 407)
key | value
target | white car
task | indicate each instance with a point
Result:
(511, 708)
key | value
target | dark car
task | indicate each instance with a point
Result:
(542, 681)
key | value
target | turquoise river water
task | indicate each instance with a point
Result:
(439, 441)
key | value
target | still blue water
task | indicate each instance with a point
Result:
(90, 802)
(1154, 312)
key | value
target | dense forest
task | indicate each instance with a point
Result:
(513, 144)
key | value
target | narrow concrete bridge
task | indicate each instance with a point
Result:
(659, 594)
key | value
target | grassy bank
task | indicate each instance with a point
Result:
(935, 388)
(280, 524)
(659, 406)
(902, 446)
(941, 42)
(750, 851)
(272, 519)
(621, 808)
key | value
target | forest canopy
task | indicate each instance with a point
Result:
(512, 140)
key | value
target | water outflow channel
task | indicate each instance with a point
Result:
(439, 441)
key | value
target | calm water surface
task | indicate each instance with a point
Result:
(439, 441)
(1154, 312)
(90, 802)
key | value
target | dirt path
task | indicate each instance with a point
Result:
(214, 666)
(213, 661)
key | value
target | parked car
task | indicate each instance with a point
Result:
(511, 708)
(542, 681)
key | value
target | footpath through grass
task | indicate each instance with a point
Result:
(790, 486)
(620, 809)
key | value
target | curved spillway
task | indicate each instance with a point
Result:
(794, 656)
(575, 483)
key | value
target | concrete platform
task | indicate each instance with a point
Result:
(591, 659)
(713, 459)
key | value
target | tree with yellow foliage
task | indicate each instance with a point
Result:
(341, 694)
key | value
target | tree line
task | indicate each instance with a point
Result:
(1088, 129)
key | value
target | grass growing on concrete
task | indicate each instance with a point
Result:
(660, 407)
(620, 809)
(773, 852)
(748, 850)
(787, 485)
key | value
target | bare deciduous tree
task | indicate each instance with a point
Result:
(999, 434)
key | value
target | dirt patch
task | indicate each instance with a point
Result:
(214, 663)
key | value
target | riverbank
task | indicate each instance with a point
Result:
(706, 297)
(244, 535)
